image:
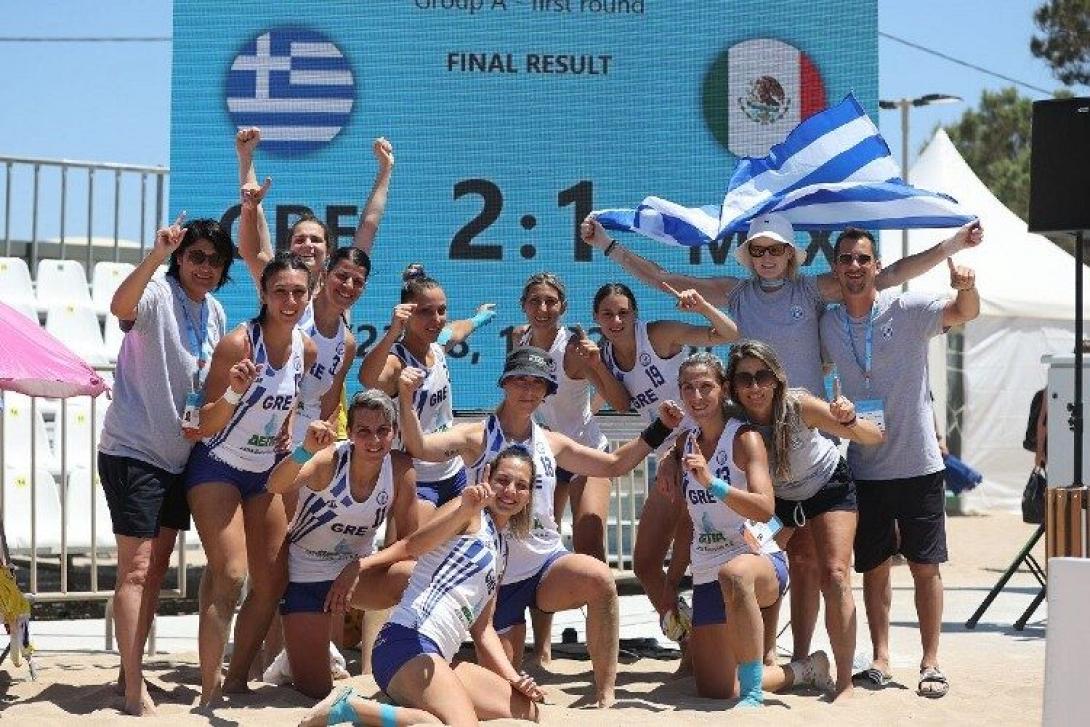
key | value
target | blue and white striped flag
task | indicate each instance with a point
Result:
(296, 85)
(833, 171)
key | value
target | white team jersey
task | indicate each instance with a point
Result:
(719, 533)
(434, 409)
(248, 440)
(331, 528)
(568, 410)
(451, 585)
(319, 377)
(651, 380)
(530, 553)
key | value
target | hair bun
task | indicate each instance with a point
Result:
(413, 271)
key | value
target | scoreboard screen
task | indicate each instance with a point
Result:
(510, 121)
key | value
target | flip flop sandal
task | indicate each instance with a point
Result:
(873, 676)
(932, 675)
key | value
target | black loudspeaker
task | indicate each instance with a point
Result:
(1059, 170)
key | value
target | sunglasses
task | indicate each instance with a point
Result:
(763, 378)
(200, 257)
(846, 258)
(775, 250)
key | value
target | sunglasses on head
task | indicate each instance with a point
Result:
(775, 249)
(763, 378)
(200, 257)
(846, 258)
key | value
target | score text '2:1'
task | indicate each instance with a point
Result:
(463, 247)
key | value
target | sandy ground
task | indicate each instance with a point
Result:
(996, 673)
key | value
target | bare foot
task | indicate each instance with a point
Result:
(843, 693)
(211, 698)
(319, 715)
(539, 660)
(141, 706)
(685, 666)
(231, 686)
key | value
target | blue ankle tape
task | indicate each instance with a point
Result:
(341, 711)
(750, 675)
(387, 714)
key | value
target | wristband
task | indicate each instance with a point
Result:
(655, 433)
(609, 248)
(445, 335)
(851, 422)
(719, 489)
(482, 318)
(301, 455)
(231, 396)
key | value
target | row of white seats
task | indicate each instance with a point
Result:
(61, 282)
(77, 432)
(82, 490)
(77, 326)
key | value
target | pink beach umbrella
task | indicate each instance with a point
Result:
(35, 363)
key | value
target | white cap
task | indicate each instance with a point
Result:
(774, 227)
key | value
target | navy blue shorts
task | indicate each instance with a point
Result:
(441, 492)
(708, 606)
(305, 597)
(515, 598)
(837, 494)
(203, 467)
(394, 646)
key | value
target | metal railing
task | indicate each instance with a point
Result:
(109, 224)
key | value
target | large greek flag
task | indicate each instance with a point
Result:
(834, 170)
(296, 85)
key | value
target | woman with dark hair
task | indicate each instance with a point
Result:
(645, 356)
(540, 571)
(252, 386)
(172, 324)
(460, 556)
(348, 491)
(413, 341)
(736, 564)
(810, 479)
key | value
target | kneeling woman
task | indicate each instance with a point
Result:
(251, 390)
(736, 564)
(460, 556)
(348, 490)
(540, 572)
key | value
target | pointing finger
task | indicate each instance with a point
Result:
(180, 220)
(836, 388)
(666, 286)
(950, 264)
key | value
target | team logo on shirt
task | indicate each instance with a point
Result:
(796, 312)
(887, 330)
(721, 457)
(645, 359)
(382, 498)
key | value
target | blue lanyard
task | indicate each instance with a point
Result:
(196, 336)
(865, 363)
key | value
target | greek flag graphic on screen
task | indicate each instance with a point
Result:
(295, 85)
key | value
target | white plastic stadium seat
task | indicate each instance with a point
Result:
(15, 281)
(78, 429)
(105, 279)
(83, 487)
(17, 484)
(76, 326)
(61, 281)
(113, 337)
(26, 307)
(17, 424)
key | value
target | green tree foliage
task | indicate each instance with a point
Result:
(994, 139)
(1065, 41)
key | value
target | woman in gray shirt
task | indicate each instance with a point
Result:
(172, 323)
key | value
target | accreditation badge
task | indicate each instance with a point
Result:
(872, 410)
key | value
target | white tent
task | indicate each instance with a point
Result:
(1027, 290)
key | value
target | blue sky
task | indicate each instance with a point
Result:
(111, 101)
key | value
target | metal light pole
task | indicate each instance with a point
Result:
(904, 105)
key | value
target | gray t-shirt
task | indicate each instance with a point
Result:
(811, 455)
(903, 323)
(787, 320)
(155, 369)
